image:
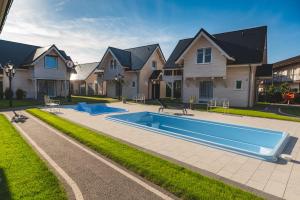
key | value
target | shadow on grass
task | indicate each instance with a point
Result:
(4, 189)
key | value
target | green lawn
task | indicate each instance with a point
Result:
(18, 103)
(291, 110)
(23, 175)
(178, 180)
(75, 99)
(254, 112)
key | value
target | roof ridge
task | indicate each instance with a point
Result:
(142, 46)
(87, 63)
(21, 43)
(246, 29)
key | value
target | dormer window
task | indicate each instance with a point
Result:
(203, 55)
(154, 65)
(113, 64)
(51, 62)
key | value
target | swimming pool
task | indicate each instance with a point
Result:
(95, 109)
(259, 143)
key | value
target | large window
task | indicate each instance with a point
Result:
(51, 62)
(177, 89)
(168, 89)
(204, 55)
(113, 64)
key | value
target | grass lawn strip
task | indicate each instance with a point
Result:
(291, 110)
(23, 174)
(256, 113)
(178, 180)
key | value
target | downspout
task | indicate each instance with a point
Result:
(249, 88)
(138, 82)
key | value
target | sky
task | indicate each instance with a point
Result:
(85, 28)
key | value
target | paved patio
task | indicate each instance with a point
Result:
(279, 179)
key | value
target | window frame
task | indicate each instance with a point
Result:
(133, 84)
(154, 62)
(204, 56)
(235, 85)
(45, 62)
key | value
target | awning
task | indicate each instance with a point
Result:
(156, 74)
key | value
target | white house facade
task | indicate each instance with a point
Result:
(39, 70)
(220, 66)
(132, 72)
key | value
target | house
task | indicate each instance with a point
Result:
(87, 80)
(134, 71)
(39, 70)
(219, 65)
(4, 8)
(288, 71)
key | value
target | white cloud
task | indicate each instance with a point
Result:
(85, 39)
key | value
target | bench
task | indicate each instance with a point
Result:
(140, 97)
(218, 103)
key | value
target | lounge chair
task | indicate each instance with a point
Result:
(18, 118)
(140, 97)
(51, 103)
(163, 106)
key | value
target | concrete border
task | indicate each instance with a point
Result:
(60, 171)
(110, 164)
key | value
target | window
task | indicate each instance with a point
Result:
(238, 85)
(204, 55)
(178, 72)
(168, 89)
(168, 72)
(154, 65)
(133, 84)
(113, 64)
(51, 62)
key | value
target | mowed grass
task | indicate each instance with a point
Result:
(178, 180)
(18, 103)
(255, 112)
(291, 110)
(23, 175)
(4, 104)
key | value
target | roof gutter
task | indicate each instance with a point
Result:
(7, 7)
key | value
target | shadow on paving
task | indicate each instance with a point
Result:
(288, 150)
(4, 188)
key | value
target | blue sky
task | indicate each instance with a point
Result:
(86, 28)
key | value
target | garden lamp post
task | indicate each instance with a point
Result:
(10, 72)
(118, 79)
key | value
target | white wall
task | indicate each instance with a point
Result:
(217, 67)
(223, 88)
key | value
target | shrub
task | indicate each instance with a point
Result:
(20, 94)
(8, 93)
(1, 94)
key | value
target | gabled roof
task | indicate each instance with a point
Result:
(287, 62)
(245, 46)
(265, 70)
(133, 58)
(83, 71)
(23, 54)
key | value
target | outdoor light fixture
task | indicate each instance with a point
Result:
(119, 78)
(10, 73)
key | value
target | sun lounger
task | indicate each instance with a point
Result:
(18, 118)
(163, 106)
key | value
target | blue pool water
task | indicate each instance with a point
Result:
(254, 142)
(95, 109)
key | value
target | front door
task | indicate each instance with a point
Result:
(205, 90)
(118, 89)
(155, 91)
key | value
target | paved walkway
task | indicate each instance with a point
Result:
(96, 177)
(278, 179)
